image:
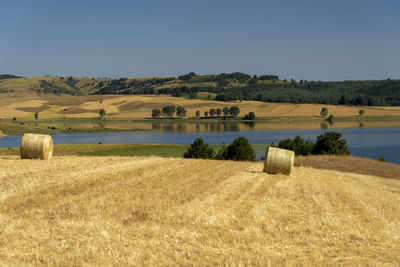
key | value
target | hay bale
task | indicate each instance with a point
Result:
(278, 160)
(36, 146)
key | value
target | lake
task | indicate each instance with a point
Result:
(363, 142)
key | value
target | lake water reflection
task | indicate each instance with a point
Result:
(362, 141)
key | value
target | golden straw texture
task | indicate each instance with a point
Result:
(278, 160)
(36, 146)
(151, 211)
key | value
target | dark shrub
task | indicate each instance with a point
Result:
(252, 116)
(331, 119)
(331, 143)
(381, 158)
(240, 150)
(199, 150)
(298, 145)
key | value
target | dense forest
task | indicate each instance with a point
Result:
(364, 93)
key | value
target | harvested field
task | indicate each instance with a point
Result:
(350, 164)
(160, 211)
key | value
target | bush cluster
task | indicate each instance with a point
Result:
(328, 143)
(239, 150)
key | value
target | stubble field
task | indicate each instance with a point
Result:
(162, 211)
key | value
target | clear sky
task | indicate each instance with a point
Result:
(309, 39)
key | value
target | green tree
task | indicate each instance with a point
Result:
(361, 112)
(199, 150)
(102, 112)
(298, 145)
(324, 112)
(36, 115)
(181, 112)
(331, 143)
(219, 112)
(206, 113)
(234, 111)
(198, 113)
(252, 116)
(169, 111)
(225, 110)
(221, 83)
(240, 150)
(212, 111)
(155, 113)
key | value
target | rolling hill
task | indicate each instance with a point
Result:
(235, 86)
(160, 211)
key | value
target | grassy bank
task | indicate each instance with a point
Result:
(66, 126)
(161, 150)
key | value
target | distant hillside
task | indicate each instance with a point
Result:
(235, 86)
(8, 76)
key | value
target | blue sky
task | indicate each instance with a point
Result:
(312, 40)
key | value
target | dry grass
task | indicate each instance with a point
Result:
(350, 164)
(157, 211)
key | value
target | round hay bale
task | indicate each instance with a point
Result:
(36, 146)
(278, 160)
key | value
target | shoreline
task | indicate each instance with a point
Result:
(94, 125)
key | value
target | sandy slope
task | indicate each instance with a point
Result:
(157, 211)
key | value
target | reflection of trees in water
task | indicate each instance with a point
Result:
(361, 125)
(181, 127)
(168, 127)
(324, 125)
(197, 127)
(213, 126)
(163, 126)
(250, 124)
(219, 127)
(234, 127)
(155, 126)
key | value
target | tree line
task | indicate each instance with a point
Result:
(170, 111)
(240, 149)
